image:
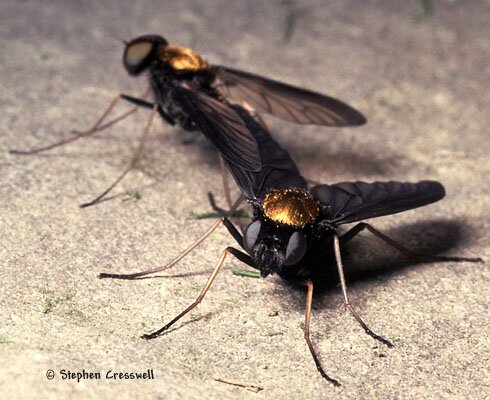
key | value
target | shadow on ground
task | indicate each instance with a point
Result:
(368, 259)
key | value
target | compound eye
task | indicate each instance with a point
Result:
(251, 235)
(136, 55)
(296, 249)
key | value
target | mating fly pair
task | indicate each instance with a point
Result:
(195, 95)
(293, 232)
(294, 229)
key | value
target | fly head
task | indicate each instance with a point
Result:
(141, 52)
(272, 248)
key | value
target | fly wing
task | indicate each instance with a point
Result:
(347, 202)
(224, 128)
(278, 169)
(285, 101)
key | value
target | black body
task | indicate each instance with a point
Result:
(338, 204)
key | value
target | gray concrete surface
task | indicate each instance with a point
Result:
(422, 81)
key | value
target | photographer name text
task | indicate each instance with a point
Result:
(108, 375)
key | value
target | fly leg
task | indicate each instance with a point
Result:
(132, 163)
(146, 104)
(226, 186)
(309, 298)
(347, 303)
(224, 213)
(411, 255)
(140, 274)
(97, 127)
(189, 249)
(228, 250)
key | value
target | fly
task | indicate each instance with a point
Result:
(294, 229)
(189, 92)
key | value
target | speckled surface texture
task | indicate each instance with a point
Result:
(421, 80)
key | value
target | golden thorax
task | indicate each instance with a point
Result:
(182, 58)
(294, 207)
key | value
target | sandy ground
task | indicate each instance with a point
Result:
(421, 78)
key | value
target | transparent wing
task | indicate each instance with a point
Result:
(224, 128)
(287, 102)
(278, 169)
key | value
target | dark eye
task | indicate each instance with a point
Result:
(140, 52)
(296, 249)
(136, 53)
(251, 235)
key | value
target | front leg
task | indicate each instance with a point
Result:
(147, 104)
(228, 250)
(97, 127)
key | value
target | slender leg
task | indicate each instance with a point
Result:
(226, 187)
(215, 207)
(98, 126)
(137, 101)
(309, 298)
(346, 298)
(412, 256)
(175, 260)
(224, 213)
(196, 302)
(170, 264)
(233, 231)
(146, 104)
(107, 124)
(241, 256)
(133, 162)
